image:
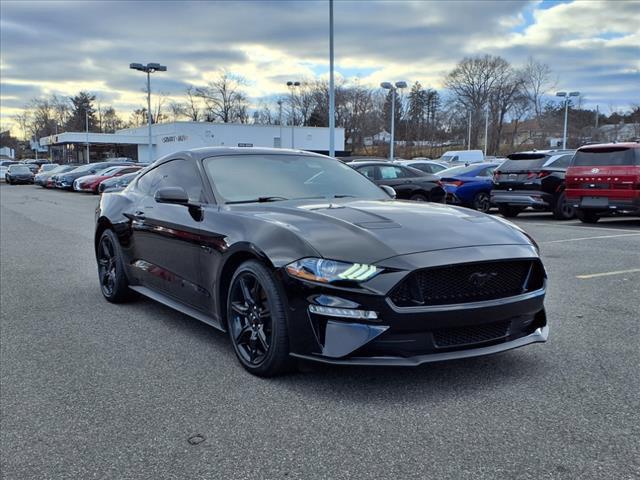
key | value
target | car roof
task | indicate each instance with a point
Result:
(610, 145)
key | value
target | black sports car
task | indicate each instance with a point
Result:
(409, 183)
(295, 254)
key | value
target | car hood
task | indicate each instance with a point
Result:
(372, 230)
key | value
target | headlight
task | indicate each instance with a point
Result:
(327, 271)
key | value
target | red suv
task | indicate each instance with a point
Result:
(604, 179)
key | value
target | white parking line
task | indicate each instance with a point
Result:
(606, 274)
(591, 238)
(578, 226)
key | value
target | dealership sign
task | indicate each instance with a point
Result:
(175, 138)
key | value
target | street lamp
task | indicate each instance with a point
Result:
(292, 86)
(566, 96)
(149, 68)
(392, 89)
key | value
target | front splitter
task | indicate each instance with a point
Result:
(540, 335)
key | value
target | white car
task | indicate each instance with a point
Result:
(462, 156)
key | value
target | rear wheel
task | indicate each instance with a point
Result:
(588, 216)
(113, 281)
(563, 210)
(257, 321)
(418, 197)
(482, 202)
(509, 211)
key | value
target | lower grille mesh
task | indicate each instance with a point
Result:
(453, 337)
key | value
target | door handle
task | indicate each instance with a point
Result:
(139, 215)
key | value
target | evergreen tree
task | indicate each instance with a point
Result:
(82, 104)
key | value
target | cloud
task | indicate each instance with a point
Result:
(62, 47)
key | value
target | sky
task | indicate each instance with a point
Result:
(64, 47)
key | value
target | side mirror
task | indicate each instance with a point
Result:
(388, 190)
(175, 195)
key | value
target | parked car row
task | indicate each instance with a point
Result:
(588, 183)
(79, 177)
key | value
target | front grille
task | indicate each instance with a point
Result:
(455, 337)
(468, 282)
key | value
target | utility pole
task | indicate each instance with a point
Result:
(280, 120)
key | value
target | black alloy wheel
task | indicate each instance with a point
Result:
(482, 202)
(563, 210)
(113, 281)
(256, 320)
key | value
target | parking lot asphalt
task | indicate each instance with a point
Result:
(95, 390)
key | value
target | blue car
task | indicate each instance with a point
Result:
(469, 185)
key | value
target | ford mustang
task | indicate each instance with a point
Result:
(297, 256)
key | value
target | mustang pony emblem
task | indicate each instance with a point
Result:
(479, 279)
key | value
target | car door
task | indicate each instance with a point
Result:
(397, 177)
(166, 237)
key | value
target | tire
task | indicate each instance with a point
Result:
(113, 281)
(482, 202)
(563, 210)
(418, 197)
(257, 321)
(509, 211)
(587, 216)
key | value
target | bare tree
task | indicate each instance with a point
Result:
(224, 99)
(177, 111)
(192, 106)
(537, 81)
(472, 83)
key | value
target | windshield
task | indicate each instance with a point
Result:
(614, 156)
(109, 171)
(19, 169)
(49, 167)
(447, 158)
(242, 178)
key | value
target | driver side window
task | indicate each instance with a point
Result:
(175, 173)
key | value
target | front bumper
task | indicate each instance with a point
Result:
(412, 335)
(540, 335)
(522, 198)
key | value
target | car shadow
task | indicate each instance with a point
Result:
(367, 384)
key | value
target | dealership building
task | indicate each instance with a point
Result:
(167, 138)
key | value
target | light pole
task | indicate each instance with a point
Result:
(149, 68)
(392, 89)
(469, 132)
(566, 96)
(292, 86)
(486, 129)
(280, 120)
(86, 124)
(332, 98)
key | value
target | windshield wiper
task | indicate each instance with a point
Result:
(344, 196)
(260, 200)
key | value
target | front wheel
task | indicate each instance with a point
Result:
(509, 211)
(418, 197)
(113, 281)
(257, 320)
(482, 202)
(587, 216)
